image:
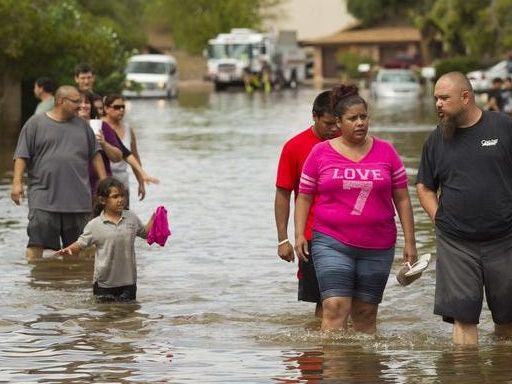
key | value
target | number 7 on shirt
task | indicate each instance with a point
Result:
(365, 189)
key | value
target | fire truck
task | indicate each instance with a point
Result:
(234, 57)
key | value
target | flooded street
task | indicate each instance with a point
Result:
(216, 304)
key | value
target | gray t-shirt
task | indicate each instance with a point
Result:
(58, 155)
(45, 106)
(114, 264)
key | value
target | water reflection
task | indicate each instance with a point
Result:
(69, 273)
(193, 99)
(334, 364)
(217, 298)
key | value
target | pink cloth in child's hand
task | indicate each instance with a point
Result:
(159, 231)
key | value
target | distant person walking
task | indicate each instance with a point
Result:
(44, 89)
(464, 184)
(56, 148)
(294, 153)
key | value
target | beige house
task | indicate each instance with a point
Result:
(394, 46)
(310, 18)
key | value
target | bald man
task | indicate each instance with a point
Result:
(464, 184)
(56, 148)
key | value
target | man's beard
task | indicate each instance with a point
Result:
(448, 126)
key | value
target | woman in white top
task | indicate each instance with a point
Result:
(114, 109)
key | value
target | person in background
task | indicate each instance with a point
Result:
(506, 95)
(98, 104)
(56, 149)
(112, 231)
(293, 155)
(43, 91)
(464, 184)
(106, 138)
(112, 148)
(115, 107)
(357, 181)
(84, 77)
(495, 101)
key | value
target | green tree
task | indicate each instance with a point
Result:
(371, 12)
(50, 37)
(192, 23)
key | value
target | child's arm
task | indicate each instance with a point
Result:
(148, 226)
(70, 250)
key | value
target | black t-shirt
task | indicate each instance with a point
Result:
(474, 173)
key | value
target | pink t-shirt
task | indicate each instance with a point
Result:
(354, 200)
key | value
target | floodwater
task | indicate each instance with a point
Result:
(216, 305)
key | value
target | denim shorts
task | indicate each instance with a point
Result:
(346, 271)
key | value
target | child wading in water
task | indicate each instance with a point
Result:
(112, 231)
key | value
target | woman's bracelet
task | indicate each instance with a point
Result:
(283, 242)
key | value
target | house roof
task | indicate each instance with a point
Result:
(369, 36)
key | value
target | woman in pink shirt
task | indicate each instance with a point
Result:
(358, 181)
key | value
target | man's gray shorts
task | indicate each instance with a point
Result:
(47, 229)
(464, 269)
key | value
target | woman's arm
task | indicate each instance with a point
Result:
(302, 206)
(98, 166)
(133, 146)
(404, 208)
(113, 153)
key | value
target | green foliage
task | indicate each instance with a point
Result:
(478, 28)
(371, 12)
(50, 37)
(462, 64)
(350, 61)
(193, 23)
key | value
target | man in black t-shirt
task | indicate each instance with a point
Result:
(468, 160)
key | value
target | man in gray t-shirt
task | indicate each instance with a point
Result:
(56, 148)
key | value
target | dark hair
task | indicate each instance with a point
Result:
(82, 68)
(345, 96)
(109, 99)
(322, 104)
(103, 190)
(89, 96)
(46, 83)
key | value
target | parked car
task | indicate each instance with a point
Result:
(396, 83)
(151, 75)
(481, 80)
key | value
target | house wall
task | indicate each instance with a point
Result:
(329, 68)
(311, 18)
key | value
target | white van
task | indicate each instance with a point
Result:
(151, 76)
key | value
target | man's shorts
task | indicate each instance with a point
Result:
(346, 271)
(47, 229)
(464, 269)
(308, 284)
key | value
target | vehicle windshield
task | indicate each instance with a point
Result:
(401, 77)
(147, 67)
(233, 51)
